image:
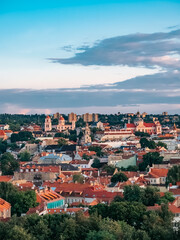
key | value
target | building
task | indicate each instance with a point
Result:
(116, 135)
(48, 124)
(88, 117)
(61, 126)
(140, 126)
(157, 176)
(86, 139)
(122, 160)
(72, 117)
(51, 198)
(5, 209)
(56, 115)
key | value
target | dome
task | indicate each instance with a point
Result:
(61, 118)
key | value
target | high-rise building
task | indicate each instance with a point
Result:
(72, 117)
(88, 117)
(57, 115)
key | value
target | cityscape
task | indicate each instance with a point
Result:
(90, 120)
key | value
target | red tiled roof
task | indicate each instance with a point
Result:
(5, 178)
(159, 172)
(2, 133)
(130, 125)
(149, 124)
(174, 209)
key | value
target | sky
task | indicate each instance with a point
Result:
(89, 56)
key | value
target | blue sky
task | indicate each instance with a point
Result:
(54, 45)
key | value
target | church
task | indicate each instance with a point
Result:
(140, 126)
(61, 126)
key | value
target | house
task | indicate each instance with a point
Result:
(122, 160)
(51, 198)
(5, 209)
(157, 176)
(3, 135)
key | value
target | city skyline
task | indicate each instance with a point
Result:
(84, 56)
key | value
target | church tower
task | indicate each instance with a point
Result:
(48, 124)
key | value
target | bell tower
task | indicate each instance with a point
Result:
(48, 124)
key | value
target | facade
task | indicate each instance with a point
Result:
(51, 198)
(72, 117)
(157, 176)
(48, 124)
(122, 160)
(115, 135)
(88, 117)
(86, 137)
(60, 127)
(5, 209)
(140, 126)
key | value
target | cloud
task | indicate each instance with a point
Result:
(161, 88)
(147, 50)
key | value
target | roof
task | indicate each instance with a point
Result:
(158, 172)
(4, 205)
(130, 125)
(68, 148)
(2, 133)
(5, 178)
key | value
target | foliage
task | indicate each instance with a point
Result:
(21, 136)
(25, 156)
(147, 143)
(86, 157)
(96, 163)
(97, 149)
(161, 144)
(8, 164)
(119, 177)
(141, 134)
(20, 201)
(3, 146)
(78, 178)
(62, 142)
(168, 197)
(137, 224)
(109, 169)
(148, 196)
(173, 175)
(149, 159)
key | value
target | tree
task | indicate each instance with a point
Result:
(173, 175)
(21, 136)
(97, 149)
(8, 164)
(119, 177)
(100, 235)
(18, 233)
(96, 163)
(25, 156)
(133, 193)
(109, 169)
(141, 134)
(62, 142)
(3, 146)
(168, 197)
(20, 201)
(146, 143)
(162, 144)
(78, 178)
(149, 159)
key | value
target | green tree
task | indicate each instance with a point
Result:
(119, 177)
(78, 178)
(162, 144)
(97, 149)
(20, 201)
(8, 164)
(96, 163)
(62, 142)
(25, 156)
(100, 235)
(3, 146)
(18, 233)
(173, 175)
(149, 159)
(146, 143)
